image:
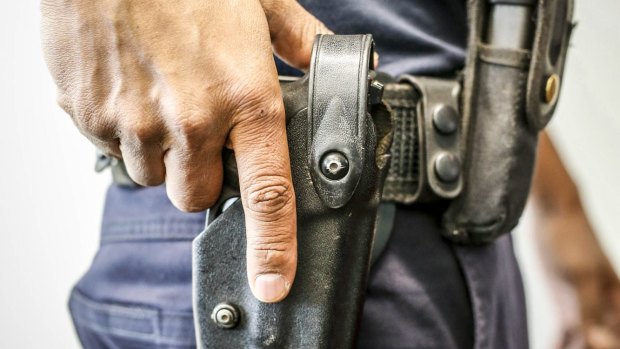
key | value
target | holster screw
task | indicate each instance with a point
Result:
(334, 165)
(225, 315)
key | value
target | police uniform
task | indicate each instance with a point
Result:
(423, 291)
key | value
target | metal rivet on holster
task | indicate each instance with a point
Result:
(447, 167)
(445, 119)
(225, 315)
(334, 165)
(552, 88)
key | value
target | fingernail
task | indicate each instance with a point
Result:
(270, 288)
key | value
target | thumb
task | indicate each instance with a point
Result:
(292, 30)
(268, 199)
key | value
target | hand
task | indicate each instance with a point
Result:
(573, 252)
(165, 85)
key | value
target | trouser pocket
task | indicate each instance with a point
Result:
(110, 326)
(137, 292)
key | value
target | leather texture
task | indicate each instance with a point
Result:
(419, 142)
(554, 26)
(503, 111)
(324, 306)
(500, 158)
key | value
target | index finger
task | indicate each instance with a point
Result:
(268, 198)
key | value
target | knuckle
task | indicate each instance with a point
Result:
(255, 103)
(192, 201)
(273, 250)
(144, 173)
(144, 132)
(92, 121)
(269, 198)
(192, 127)
(307, 30)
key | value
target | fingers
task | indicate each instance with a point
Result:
(596, 307)
(194, 164)
(148, 78)
(193, 179)
(142, 152)
(293, 30)
(268, 198)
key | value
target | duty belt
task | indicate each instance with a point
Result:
(468, 141)
(411, 171)
(425, 164)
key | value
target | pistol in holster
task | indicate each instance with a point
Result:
(356, 139)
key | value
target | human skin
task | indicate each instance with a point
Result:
(166, 85)
(573, 251)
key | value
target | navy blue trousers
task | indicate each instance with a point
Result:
(423, 291)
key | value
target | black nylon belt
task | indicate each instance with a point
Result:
(403, 179)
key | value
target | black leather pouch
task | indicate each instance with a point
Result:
(510, 93)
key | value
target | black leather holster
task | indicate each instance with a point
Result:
(339, 138)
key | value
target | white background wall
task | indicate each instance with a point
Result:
(51, 201)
